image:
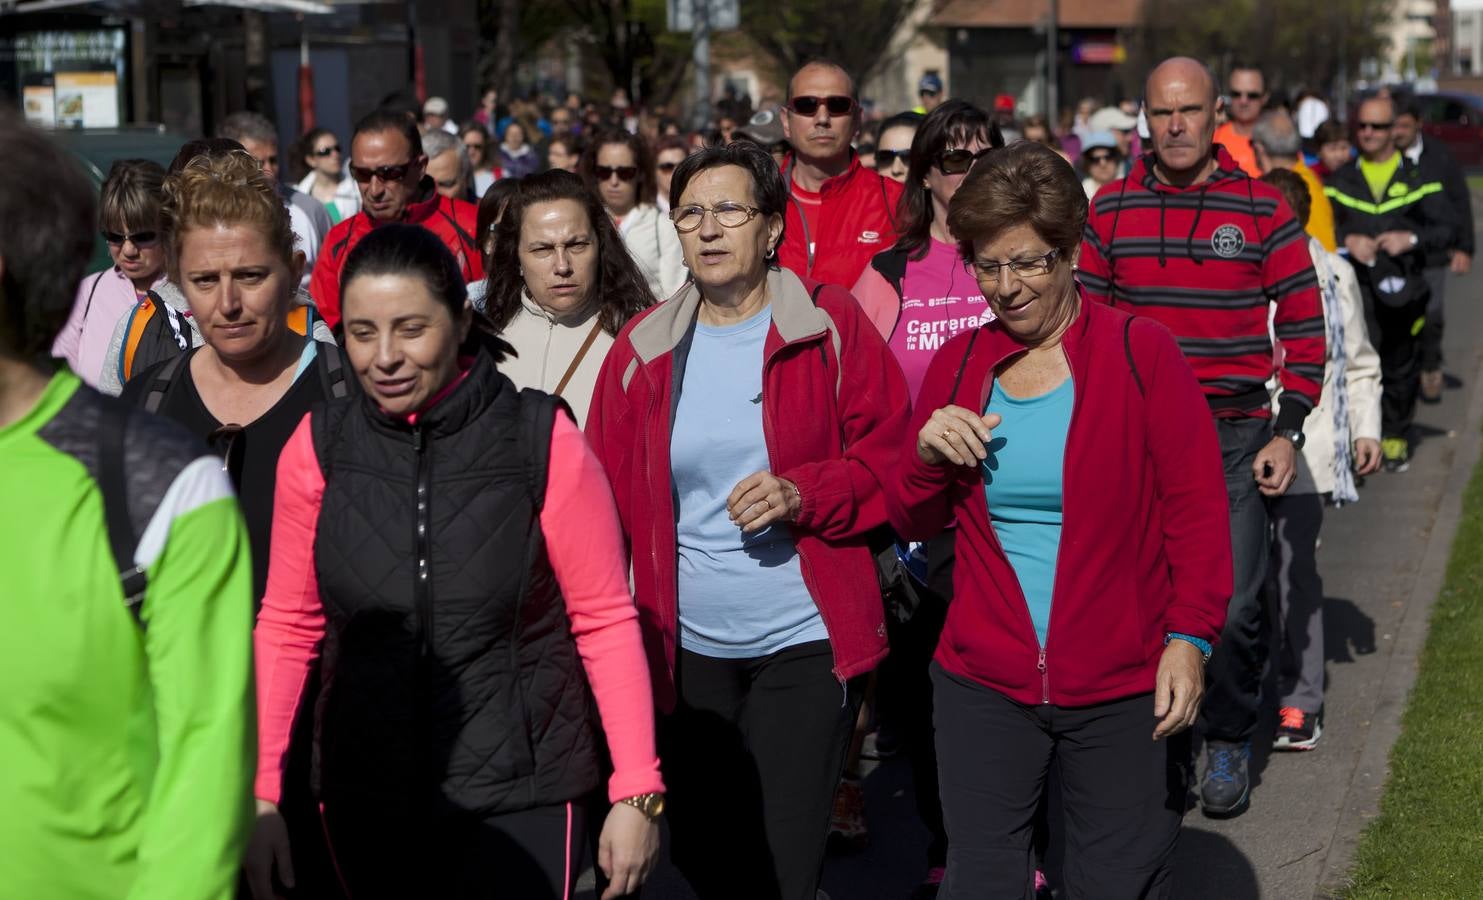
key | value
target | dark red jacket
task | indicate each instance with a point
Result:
(1145, 537)
(855, 221)
(834, 408)
(455, 221)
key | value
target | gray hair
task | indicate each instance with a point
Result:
(1277, 134)
(247, 126)
(436, 142)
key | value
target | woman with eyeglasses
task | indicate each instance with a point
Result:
(575, 287)
(1101, 160)
(668, 154)
(129, 217)
(1073, 447)
(517, 158)
(325, 177)
(893, 145)
(745, 425)
(446, 547)
(620, 169)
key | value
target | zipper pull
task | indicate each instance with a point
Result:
(417, 438)
(1044, 678)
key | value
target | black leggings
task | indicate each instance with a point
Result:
(751, 756)
(533, 854)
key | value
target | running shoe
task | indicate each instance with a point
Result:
(929, 887)
(1297, 730)
(1431, 386)
(1397, 454)
(847, 829)
(1226, 787)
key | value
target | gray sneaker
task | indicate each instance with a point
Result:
(1226, 788)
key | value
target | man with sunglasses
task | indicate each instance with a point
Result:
(1389, 214)
(390, 168)
(1246, 97)
(1190, 240)
(840, 214)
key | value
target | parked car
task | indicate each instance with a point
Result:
(1456, 120)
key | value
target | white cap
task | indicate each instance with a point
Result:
(435, 106)
(1312, 112)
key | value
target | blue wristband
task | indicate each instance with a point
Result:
(1202, 645)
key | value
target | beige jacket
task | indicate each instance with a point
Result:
(546, 347)
(653, 243)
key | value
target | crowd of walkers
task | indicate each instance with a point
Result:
(461, 515)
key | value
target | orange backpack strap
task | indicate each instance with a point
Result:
(299, 320)
(138, 321)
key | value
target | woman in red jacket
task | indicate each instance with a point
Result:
(745, 425)
(1072, 445)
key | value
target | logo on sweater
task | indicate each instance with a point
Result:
(1228, 242)
(870, 237)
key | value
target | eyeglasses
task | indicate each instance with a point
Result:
(624, 173)
(1096, 158)
(836, 105)
(1246, 95)
(1373, 126)
(956, 162)
(140, 239)
(474, 145)
(224, 440)
(987, 270)
(387, 174)
(667, 166)
(728, 215)
(327, 151)
(884, 159)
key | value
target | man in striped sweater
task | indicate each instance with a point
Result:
(1188, 239)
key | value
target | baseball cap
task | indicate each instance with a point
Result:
(763, 128)
(435, 106)
(1110, 118)
(1100, 139)
(1003, 103)
(930, 84)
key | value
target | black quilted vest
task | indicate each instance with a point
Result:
(451, 679)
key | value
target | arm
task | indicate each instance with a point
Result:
(1362, 375)
(1461, 198)
(585, 543)
(324, 284)
(1440, 224)
(290, 625)
(1093, 269)
(841, 497)
(110, 381)
(672, 271)
(70, 337)
(199, 659)
(1289, 281)
(608, 426)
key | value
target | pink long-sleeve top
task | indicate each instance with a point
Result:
(584, 543)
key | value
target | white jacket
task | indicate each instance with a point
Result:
(347, 196)
(544, 350)
(653, 243)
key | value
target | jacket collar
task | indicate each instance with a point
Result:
(478, 388)
(418, 211)
(998, 346)
(837, 183)
(1226, 169)
(794, 315)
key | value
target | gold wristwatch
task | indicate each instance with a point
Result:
(651, 805)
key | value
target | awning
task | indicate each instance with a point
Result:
(307, 7)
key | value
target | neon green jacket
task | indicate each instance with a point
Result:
(125, 752)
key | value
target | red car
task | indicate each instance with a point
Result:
(1456, 120)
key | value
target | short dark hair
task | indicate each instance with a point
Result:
(768, 188)
(1023, 184)
(388, 120)
(1409, 107)
(957, 121)
(40, 264)
(208, 147)
(298, 167)
(1330, 131)
(642, 157)
(621, 290)
(908, 119)
(1294, 190)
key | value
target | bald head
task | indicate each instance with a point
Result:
(1179, 103)
(1186, 72)
(820, 67)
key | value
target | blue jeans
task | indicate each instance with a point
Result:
(1233, 679)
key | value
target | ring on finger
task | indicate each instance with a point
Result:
(947, 434)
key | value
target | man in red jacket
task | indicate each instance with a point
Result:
(387, 163)
(1191, 241)
(840, 214)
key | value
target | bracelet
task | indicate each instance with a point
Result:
(1200, 643)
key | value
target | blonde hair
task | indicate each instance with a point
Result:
(223, 189)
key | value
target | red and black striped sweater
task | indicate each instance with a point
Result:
(1206, 260)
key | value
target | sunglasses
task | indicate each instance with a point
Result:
(667, 166)
(327, 151)
(140, 239)
(387, 174)
(956, 162)
(624, 173)
(1246, 95)
(836, 105)
(1095, 158)
(1373, 126)
(884, 159)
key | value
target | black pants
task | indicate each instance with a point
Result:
(751, 756)
(534, 854)
(1298, 590)
(1123, 794)
(1396, 333)
(1431, 333)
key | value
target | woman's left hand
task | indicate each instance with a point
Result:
(1178, 688)
(627, 849)
(761, 499)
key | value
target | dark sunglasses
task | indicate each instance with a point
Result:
(884, 159)
(1373, 126)
(223, 440)
(836, 105)
(667, 166)
(624, 173)
(1246, 95)
(140, 239)
(1095, 158)
(385, 173)
(327, 151)
(956, 162)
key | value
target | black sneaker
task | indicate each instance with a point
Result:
(1226, 787)
(1297, 730)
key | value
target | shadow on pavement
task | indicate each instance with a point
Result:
(1348, 631)
(1204, 859)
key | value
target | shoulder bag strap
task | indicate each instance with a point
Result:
(581, 353)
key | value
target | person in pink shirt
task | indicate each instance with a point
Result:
(448, 548)
(129, 217)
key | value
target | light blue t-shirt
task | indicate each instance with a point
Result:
(741, 595)
(1022, 481)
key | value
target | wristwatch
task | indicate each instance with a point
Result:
(1294, 435)
(651, 805)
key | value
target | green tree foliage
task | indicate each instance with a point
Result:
(854, 33)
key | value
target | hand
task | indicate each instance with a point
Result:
(956, 435)
(1275, 467)
(1395, 243)
(267, 850)
(1178, 688)
(627, 849)
(1366, 456)
(1361, 248)
(1461, 263)
(761, 499)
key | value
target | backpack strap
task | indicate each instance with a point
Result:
(113, 483)
(1128, 349)
(139, 319)
(88, 307)
(331, 368)
(537, 416)
(164, 379)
